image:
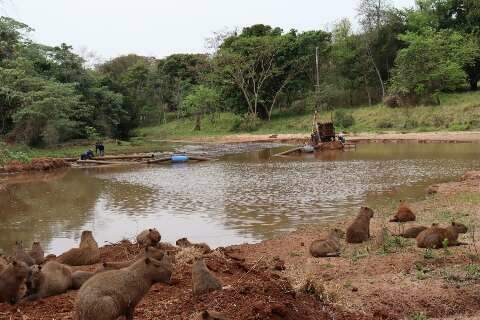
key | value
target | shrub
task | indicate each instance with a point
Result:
(392, 101)
(248, 122)
(343, 119)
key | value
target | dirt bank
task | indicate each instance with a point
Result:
(299, 138)
(37, 164)
(385, 278)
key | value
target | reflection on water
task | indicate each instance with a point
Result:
(243, 197)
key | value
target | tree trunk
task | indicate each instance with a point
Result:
(474, 83)
(198, 119)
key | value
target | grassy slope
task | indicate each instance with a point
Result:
(458, 112)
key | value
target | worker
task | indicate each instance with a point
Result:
(100, 149)
(341, 137)
(87, 155)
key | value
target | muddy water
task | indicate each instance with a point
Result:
(240, 198)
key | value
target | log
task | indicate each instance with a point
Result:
(124, 157)
(198, 158)
(105, 162)
(71, 159)
(288, 152)
(159, 160)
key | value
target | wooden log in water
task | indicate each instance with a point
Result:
(159, 160)
(199, 158)
(105, 162)
(285, 153)
(133, 156)
(71, 159)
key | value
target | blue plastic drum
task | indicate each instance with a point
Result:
(179, 158)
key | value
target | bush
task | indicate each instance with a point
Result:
(248, 122)
(392, 101)
(343, 119)
(385, 123)
(7, 156)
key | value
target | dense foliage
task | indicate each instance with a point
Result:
(48, 95)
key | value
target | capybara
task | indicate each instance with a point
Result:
(208, 315)
(435, 236)
(49, 280)
(37, 253)
(359, 230)
(112, 294)
(185, 243)
(19, 254)
(404, 214)
(3, 263)
(326, 247)
(12, 281)
(202, 279)
(150, 237)
(412, 232)
(87, 254)
(79, 278)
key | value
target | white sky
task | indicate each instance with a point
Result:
(159, 28)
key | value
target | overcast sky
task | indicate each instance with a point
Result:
(159, 28)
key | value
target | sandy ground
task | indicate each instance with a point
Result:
(385, 278)
(421, 137)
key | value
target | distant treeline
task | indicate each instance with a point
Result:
(401, 56)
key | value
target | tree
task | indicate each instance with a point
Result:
(432, 62)
(202, 100)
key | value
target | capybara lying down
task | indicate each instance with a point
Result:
(435, 237)
(412, 232)
(404, 214)
(12, 281)
(49, 280)
(149, 252)
(185, 243)
(359, 230)
(327, 247)
(208, 315)
(112, 294)
(87, 253)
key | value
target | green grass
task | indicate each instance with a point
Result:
(458, 112)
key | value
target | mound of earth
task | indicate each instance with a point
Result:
(37, 164)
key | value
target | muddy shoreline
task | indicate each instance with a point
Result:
(385, 278)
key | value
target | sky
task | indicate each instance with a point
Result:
(159, 28)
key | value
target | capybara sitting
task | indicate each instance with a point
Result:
(12, 281)
(185, 243)
(50, 280)
(208, 315)
(112, 294)
(404, 214)
(87, 254)
(150, 237)
(326, 247)
(203, 280)
(37, 253)
(435, 236)
(79, 278)
(19, 254)
(412, 232)
(359, 230)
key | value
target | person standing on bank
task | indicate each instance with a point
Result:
(99, 149)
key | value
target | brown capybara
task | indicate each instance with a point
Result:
(185, 243)
(19, 254)
(326, 247)
(50, 280)
(37, 253)
(412, 232)
(404, 214)
(87, 254)
(149, 252)
(208, 315)
(202, 279)
(359, 230)
(435, 236)
(12, 281)
(79, 278)
(3, 263)
(113, 294)
(150, 237)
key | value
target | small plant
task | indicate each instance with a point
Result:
(91, 133)
(391, 244)
(358, 254)
(419, 316)
(428, 254)
(7, 155)
(248, 122)
(343, 119)
(473, 271)
(445, 247)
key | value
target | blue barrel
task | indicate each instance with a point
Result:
(179, 158)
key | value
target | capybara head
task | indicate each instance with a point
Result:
(366, 211)
(36, 244)
(183, 242)
(34, 278)
(339, 233)
(460, 228)
(158, 271)
(19, 244)
(86, 235)
(152, 252)
(20, 269)
(154, 235)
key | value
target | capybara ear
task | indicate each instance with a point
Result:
(150, 230)
(454, 223)
(104, 264)
(205, 314)
(148, 261)
(14, 262)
